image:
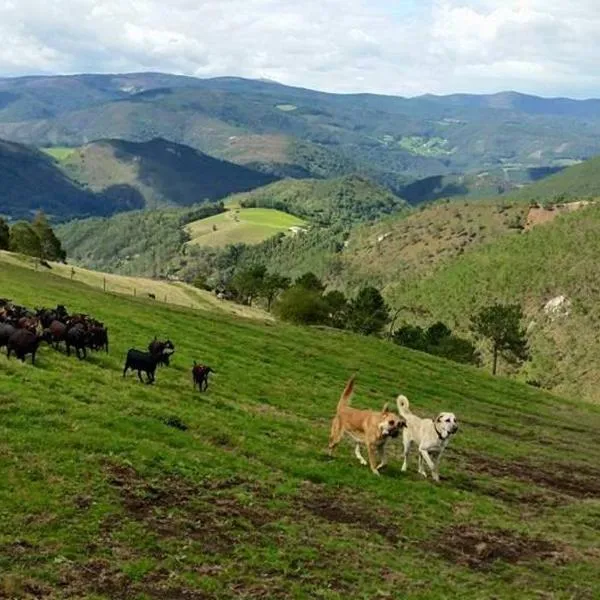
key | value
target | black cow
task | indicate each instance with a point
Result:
(57, 331)
(163, 349)
(99, 338)
(6, 330)
(79, 338)
(23, 342)
(200, 375)
(144, 361)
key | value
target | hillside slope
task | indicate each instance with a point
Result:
(341, 201)
(419, 137)
(578, 182)
(160, 172)
(115, 489)
(556, 259)
(31, 181)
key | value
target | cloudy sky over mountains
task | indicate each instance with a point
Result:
(406, 47)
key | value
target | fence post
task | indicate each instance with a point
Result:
(134, 292)
(104, 284)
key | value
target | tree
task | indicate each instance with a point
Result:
(272, 285)
(51, 248)
(501, 325)
(300, 305)
(310, 281)
(24, 239)
(368, 312)
(337, 309)
(248, 283)
(4, 234)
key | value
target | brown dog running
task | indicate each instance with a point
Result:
(368, 427)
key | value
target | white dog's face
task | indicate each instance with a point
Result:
(447, 423)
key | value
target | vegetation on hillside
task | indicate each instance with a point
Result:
(381, 136)
(158, 172)
(579, 182)
(35, 239)
(31, 181)
(343, 201)
(547, 263)
(115, 489)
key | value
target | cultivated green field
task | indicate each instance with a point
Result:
(241, 225)
(114, 489)
(59, 153)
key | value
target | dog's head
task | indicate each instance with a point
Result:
(446, 424)
(391, 424)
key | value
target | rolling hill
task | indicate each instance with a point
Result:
(31, 181)
(535, 267)
(341, 201)
(155, 242)
(240, 226)
(158, 172)
(389, 138)
(578, 182)
(115, 489)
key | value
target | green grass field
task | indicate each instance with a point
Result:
(59, 153)
(113, 489)
(241, 225)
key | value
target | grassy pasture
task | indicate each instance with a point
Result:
(114, 489)
(241, 225)
(59, 153)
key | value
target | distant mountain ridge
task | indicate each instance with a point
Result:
(392, 139)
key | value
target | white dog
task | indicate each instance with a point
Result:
(429, 436)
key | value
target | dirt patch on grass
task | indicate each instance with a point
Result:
(216, 514)
(341, 508)
(478, 549)
(99, 577)
(568, 479)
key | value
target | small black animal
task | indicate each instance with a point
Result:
(6, 330)
(200, 376)
(144, 361)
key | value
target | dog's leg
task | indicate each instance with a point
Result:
(360, 457)
(421, 468)
(430, 464)
(406, 442)
(383, 460)
(436, 464)
(372, 458)
(336, 435)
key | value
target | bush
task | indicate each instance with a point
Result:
(302, 306)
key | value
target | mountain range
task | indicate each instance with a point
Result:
(285, 130)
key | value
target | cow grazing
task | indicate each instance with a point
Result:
(200, 376)
(144, 361)
(23, 342)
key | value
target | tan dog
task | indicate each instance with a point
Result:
(368, 427)
(429, 435)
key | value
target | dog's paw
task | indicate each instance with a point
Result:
(423, 474)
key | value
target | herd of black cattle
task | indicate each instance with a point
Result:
(23, 330)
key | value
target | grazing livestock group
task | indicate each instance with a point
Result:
(22, 331)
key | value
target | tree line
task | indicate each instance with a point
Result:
(305, 301)
(33, 239)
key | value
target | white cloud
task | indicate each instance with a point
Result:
(440, 46)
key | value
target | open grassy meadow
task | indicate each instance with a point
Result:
(59, 153)
(113, 489)
(241, 225)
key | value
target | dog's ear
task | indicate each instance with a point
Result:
(386, 408)
(439, 417)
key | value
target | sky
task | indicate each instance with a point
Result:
(401, 47)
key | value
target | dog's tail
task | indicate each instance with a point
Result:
(347, 393)
(403, 406)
